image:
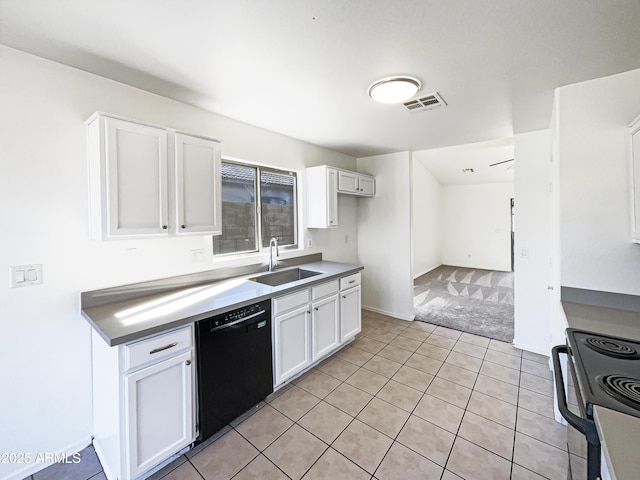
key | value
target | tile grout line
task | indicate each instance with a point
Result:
(515, 426)
(388, 379)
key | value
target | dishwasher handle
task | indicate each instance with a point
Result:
(574, 420)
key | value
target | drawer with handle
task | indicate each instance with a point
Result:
(159, 347)
(350, 281)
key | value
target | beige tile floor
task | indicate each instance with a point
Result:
(405, 400)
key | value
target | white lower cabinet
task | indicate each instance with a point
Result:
(350, 313)
(308, 325)
(325, 319)
(160, 421)
(143, 398)
(292, 352)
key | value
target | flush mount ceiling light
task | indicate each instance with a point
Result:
(394, 89)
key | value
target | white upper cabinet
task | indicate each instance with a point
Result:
(324, 183)
(128, 179)
(356, 183)
(197, 166)
(131, 166)
(322, 197)
(634, 131)
(347, 182)
(366, 185)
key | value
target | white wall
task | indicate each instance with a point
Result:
(595, 216)
(533, 176)
(384, 236)
(45, 391)
(426, 221)
(477, 226)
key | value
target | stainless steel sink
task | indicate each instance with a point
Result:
(275, 279)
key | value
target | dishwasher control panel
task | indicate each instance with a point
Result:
(235, 316)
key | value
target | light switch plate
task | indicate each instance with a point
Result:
(25, 275)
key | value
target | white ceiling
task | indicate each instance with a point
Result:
(302, 67)
(447, 164)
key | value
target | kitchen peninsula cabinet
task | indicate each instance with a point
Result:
(143, 402)
(147, 181)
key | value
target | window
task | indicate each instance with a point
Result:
(249, 194)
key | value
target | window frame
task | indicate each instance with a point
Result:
(260, 248)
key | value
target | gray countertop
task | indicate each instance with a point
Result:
(123, 314)
(619, 433)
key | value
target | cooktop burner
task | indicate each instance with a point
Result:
(612, 347)
(608, 370)
(624, 389)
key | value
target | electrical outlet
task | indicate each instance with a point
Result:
(309, 243)
(197, 256)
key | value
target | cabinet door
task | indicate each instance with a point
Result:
(332, 197)
(347, 182)
(325, 326)
(136, 179)
(350, 314)
(159, 412)
(635, 183)
(366, 185)
(198, 185)
(291, 343)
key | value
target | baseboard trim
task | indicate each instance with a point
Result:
(426, 271)
(389, 314)
(530, 348)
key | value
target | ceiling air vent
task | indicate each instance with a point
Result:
(427, 102)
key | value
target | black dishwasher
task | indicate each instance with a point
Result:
(235, 371)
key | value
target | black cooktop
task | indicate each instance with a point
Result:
(608, 370)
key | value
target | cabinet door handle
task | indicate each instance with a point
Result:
(166, 347)
(164, 227)
(187, 363)
(316, 309)
(352, 281)
(183, 226)
(344, 296)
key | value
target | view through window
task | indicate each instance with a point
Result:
(249, 194)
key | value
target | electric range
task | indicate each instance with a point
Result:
(604, 371)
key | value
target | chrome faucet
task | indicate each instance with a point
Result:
(272, 242)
